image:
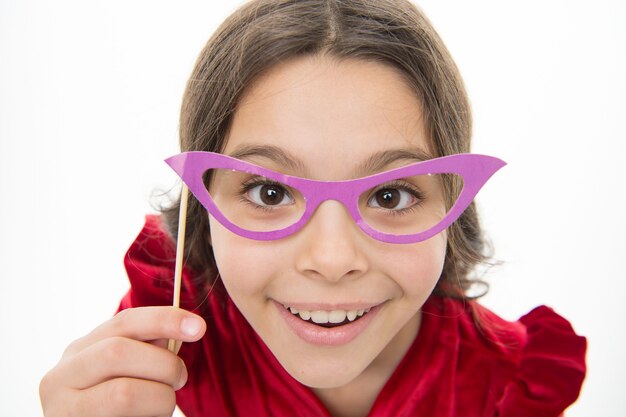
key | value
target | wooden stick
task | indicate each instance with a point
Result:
(174, 345)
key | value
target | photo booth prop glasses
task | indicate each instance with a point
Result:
(402, 205)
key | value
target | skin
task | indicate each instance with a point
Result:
(330, 116)
(123, 367)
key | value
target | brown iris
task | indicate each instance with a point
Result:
(388, 198)
(272, 194)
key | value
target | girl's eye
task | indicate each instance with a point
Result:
(393, 199)
(269, 195)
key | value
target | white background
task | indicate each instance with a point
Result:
(89, 100)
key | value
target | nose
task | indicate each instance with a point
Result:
(331, 245)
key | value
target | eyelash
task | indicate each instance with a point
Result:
(403, 186)
(255, 182)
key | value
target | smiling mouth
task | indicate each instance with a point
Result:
(328, 319)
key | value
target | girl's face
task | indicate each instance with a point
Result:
(321, 118)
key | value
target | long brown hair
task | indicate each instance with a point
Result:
(263, 33)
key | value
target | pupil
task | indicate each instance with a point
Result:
(388, 198)
(271, 194)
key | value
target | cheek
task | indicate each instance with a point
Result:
(246, 266)
(415, 268)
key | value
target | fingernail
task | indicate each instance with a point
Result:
(190, 326)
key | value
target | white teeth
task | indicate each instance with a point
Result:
(319, 316)
(334, 316)
(337, 316)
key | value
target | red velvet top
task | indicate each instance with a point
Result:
(531, 367)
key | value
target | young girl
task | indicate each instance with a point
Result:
(330, 241)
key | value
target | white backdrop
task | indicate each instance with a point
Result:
(89, 100)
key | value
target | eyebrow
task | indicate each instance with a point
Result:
(381, 160)
(373, 164)
(273, 153)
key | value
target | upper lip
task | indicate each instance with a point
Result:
(330, 307)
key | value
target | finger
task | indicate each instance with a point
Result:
(146, 323)
(122, 357)
(123, 397)
(170, 344)
(162, 343)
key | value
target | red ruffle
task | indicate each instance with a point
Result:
(551, 370)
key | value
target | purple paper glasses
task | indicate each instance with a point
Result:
(402, 205)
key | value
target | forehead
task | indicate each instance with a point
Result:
(328, 116)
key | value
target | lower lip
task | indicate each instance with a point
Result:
(317, 335)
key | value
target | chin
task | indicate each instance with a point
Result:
(323, 376)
